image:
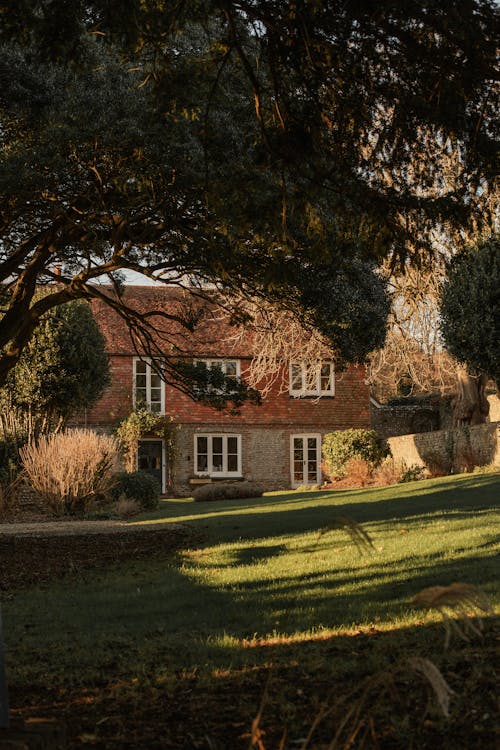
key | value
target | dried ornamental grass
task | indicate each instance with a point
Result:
(359, 709)
(461, 606)
(71, 469)
(358, 471)
(126, 507)
(389, 471)
(10, 491)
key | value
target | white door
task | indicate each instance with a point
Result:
(305, 459)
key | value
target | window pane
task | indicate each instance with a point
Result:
(156, 407)
(202, 444)
(217, 457)
(201, 454)
(140, 381)
(296, 377)
(140, 367)
(202, 462)
(311, 379)
(232, 462)
(217, 462)
(232, 454)
(140, 395)
(326, 377)
(231, 369)
(312, 471)
(155, 380)
(217, 445)
(298, 473)
(311, 443)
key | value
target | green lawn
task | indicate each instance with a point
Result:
(263, 590)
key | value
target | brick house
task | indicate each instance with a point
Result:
(276, 443)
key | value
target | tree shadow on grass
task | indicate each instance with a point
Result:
(187, 611)
(463, 499)
(294, 679)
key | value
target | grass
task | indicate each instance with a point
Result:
(265, 591)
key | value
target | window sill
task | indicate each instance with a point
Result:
(311, 396)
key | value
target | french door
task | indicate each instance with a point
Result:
(305, 459)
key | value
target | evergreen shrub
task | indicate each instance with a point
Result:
(343, 445)
(139, 486)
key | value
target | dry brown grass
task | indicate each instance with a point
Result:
(70, 470)
(126, 507)
(358, 471)
(356, 714)
(9, 492)
(461, 606)
(359, 709)
(389, 472)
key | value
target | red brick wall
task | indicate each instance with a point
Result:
(348, 408)
(116, 402)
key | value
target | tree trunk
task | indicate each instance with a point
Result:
(470, 405)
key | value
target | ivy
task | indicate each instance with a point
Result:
(143, 422)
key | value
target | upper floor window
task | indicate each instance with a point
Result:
(312, 379)
(149, 388)
(229, 367)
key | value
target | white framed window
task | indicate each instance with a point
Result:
(231, 368)
(149, 388)
(217, 455)
(316, 379)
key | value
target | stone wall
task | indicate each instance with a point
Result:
(404, 419)
(447, 451)
(494, 402)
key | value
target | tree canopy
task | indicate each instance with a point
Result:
(62, 370)
(252, 147)
(470, 308)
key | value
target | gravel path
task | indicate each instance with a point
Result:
(66, 528)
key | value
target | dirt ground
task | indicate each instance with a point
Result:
(42, 550)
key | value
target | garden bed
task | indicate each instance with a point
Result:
(39, 552)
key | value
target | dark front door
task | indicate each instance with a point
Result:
(150, 458)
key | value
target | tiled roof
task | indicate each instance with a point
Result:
(165, 307)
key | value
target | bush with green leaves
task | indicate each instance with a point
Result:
(63, 369)
(470, 308)
(412, 474)
(139, 486)
(227, 491)
(343, 445)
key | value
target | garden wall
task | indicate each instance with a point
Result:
(449, 451)
(389, 421)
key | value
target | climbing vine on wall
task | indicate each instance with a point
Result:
(143, 422)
